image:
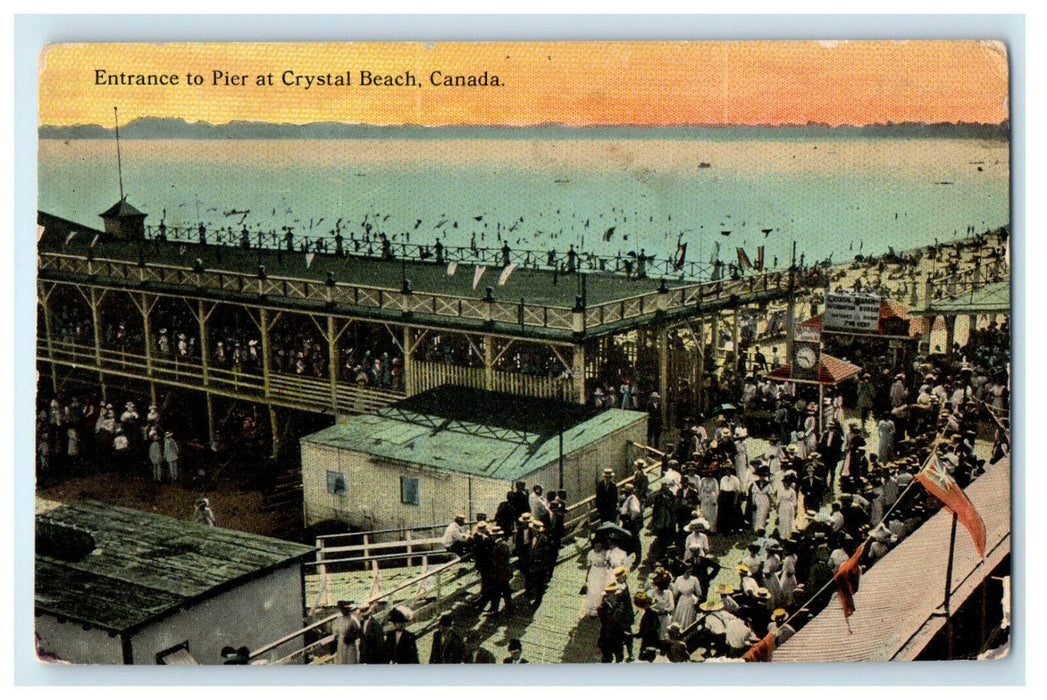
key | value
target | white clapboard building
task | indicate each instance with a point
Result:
(459, 450)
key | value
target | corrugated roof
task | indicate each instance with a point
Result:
(143, 565)
(899, 594)
(120, 210)
(498, 449)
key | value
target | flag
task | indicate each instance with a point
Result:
(681, 254)
(376, 586)
(608, 233)
(480, 269)
(759, 259)
(69, 237)
(309, 259)
(847, 578)
(39, 232)
(743, 260)
(762, 650)
(946, 491)
(502, 278)
(452, 267)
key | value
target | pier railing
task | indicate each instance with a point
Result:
(522, 314)
(948, 284)
(627, 264)
(292, 391)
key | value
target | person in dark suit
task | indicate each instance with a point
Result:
(501, 573)
(372, 638)
(448, 644)
(506, 515)
(607, 497)
(400, 644)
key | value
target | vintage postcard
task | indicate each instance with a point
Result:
(524, 352)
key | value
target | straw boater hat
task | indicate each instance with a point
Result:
(711, 605)
(792, 449)
(537, 526)
(525, 518)
(724, 589)
(779, 614)
(743, 569)
(608, 472)
(611, 587)
(763, 593)
(640, 463)
(621, 572)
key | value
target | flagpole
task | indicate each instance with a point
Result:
(948, 589)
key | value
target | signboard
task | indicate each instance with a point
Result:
(807, 334)
(857, 313)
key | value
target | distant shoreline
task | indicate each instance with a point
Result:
(175, 129)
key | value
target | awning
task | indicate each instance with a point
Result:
(831, 371)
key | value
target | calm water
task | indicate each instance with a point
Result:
(832, 196)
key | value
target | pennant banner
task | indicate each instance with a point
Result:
(502, 278)
(452, 267)
(39, 232)
(847, 578)
(936, 480)
(70, 237)
(309, 259)
(743, 260)
(681, 255)
(480, 269)
(94, 240)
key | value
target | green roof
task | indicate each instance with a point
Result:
(119, 569)
(432, 430)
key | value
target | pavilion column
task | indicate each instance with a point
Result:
(94, 298)
(488, 363)
(972, 326)
(210, 416)
(332, 361)
(950, 333)
(715, 332)
(734, 342)
(202, 314)
(409, 383)
(144, 308)
(44, 298)
(699, 388)
(790, 327)
(663, 372)
(578, 373)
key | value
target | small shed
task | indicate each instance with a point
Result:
(121, 586)
(458, 450)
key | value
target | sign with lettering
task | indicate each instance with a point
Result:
(859, 313)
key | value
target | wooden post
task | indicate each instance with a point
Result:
(44, 298)
(332, 361)
(94, 300)
(699, 389)
(263, 327)
(735, 337)
(488, 362)
(210, 416)
(275, 428)
(663, 373)
(409, 383)
(578, 372)
(410, 549)
(205, 361)
(948, 591)
(950, 333)
(147, 332)
(715, 328)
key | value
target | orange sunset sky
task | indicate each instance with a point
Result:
(575, 83)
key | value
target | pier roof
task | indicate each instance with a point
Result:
(119, 569)
(474, 432)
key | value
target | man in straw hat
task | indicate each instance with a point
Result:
(624, 609)
(372, 637)
(606, 500)
(501, 573)
(456, 536)
(610, 642)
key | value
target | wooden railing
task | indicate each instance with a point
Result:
(945, 285)
(294, 391)
(428, 375)
(521, 314)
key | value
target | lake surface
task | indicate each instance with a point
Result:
(833, 196)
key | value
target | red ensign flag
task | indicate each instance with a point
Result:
(946, 491)
(847, 578)
(762, 650)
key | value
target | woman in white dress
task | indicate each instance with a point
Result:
(761, 501)
(616, 557)
(598, 578)
(663, 603)
(787, 577)
(697, 542)
(809, 440)
(787, 508)
(688, 592)
(708, 495)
